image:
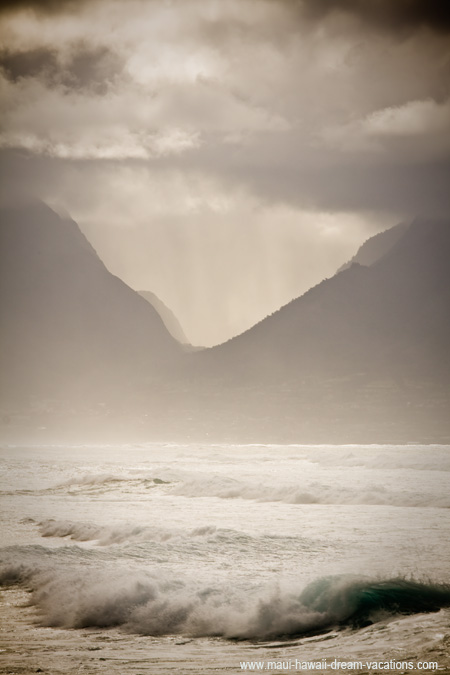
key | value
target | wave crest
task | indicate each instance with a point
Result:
(108, 535)
(151, 604)
(313, 493)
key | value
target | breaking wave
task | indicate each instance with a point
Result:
(419, 458)
(315, 493)
(229, 488)
(107, 535)
(102, 479)
(150, 604)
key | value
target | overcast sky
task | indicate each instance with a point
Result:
(227, 154)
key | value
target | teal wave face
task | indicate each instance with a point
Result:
(357, 601)
(152, 602)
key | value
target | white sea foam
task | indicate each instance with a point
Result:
(312, 493)
(107, 535)
(151, 604)
(420, 458)
(101, 479)
(126, 550)
(307, 492)
(154, 603)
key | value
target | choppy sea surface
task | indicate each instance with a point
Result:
(168, 558)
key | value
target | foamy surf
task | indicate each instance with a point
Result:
(314, 493)
(279, 551)
(107, 536)
(155, 603)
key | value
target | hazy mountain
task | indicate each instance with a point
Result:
(362, 357)
(170, 320)
(389, 319)
(377, 246)
(68, 326)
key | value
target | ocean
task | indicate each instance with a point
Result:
(206, 558)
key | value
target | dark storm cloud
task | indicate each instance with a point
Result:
(86, 67)
(89, 66)
(30, 63)
(390, 14)
(321, 186)
(408, 190)
(42, 6)
(331, 182)
(321, 119)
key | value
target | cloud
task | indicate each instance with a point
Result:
(110, 146)
(148, 93)
(81, 66)
(416, 132)
(394, 15)
(415, 118)
(287, 109)
(241, 125)
(29, 63)
(42, 6)
(397, 15)
(123, 123)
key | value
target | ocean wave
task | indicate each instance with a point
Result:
(313, 493)
(420, 458)
(108, 535)
(107, 478)
(101, 483)
(310, 492)
(150, 604)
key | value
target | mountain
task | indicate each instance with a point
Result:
(377, 246)
(170, 320)
(390, 319)
(69, 328)
(363, 357)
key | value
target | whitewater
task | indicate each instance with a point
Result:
(206, 558)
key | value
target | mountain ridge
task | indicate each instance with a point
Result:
(167, 315)
(65, 317)
(376, 246)
(358, 305)
(360, 357)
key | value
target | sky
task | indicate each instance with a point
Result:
(227, 154)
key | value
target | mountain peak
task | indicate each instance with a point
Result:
(377, 246)
(65, 319)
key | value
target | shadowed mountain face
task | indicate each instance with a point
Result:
(68, 326)
(391, 320)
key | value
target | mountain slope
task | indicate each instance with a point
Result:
(377, 246)
(67, 324)
(391, 319)
(170, 320)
